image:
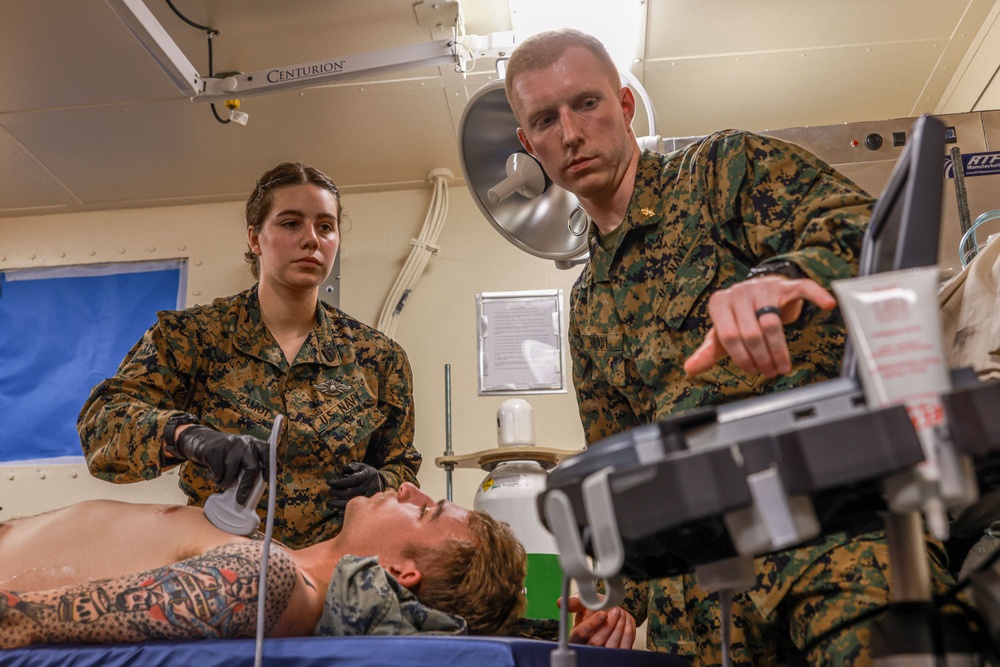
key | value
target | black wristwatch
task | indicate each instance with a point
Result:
(175, 420)
(782, 268)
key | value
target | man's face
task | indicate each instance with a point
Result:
(384, 524)
(576, 122)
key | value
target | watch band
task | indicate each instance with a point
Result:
(175, 420)
(781, 267)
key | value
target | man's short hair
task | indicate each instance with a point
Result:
(482, 581)
(544, 48)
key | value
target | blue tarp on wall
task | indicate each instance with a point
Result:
(63, 330)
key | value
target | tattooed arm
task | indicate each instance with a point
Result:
(210, 595)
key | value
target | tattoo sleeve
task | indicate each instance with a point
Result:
(210, 595)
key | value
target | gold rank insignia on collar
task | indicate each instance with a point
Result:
(647, 212)
(331, 388)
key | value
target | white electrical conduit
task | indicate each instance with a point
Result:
(424, 247)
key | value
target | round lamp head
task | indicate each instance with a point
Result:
(550, 225)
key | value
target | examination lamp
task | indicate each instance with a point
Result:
(510, 187)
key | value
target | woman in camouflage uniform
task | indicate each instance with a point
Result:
(203, 386)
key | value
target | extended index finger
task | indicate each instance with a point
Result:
(706, 356)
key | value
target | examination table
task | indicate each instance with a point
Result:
(425, 651)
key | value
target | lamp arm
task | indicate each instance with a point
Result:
(141, 22)
(329, 71)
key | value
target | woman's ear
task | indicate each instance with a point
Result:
(253, 240)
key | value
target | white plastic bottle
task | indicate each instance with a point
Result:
(509, 493)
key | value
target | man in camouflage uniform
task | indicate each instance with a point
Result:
(705, 284)
(347, 397)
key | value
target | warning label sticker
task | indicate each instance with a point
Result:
(506, 481)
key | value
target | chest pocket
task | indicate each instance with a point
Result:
(349, 422)
(236, 412)
(683, 311)
(606, 353)
(683, 301)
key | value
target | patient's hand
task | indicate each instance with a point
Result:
(614, 628)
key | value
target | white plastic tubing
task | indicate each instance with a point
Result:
(423, 248)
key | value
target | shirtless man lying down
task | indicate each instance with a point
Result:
(111, 572)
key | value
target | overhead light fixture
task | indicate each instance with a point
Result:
(619, 24)
(509, 187)
(542, 218)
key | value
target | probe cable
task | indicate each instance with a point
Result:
(272, 480)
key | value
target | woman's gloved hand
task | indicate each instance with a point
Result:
(355, 479)
(226, 455)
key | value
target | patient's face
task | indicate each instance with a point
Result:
(385, 523)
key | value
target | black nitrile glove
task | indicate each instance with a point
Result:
(355, 479)
(226, 455)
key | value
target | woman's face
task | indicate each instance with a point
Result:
(298, 239)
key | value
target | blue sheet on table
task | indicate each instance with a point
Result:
(330, 651)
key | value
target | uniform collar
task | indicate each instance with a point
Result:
(645, 208)
(327, 348)
(646, 205)
(254, 339)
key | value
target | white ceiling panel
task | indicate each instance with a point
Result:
(751, 92)
(89, 121)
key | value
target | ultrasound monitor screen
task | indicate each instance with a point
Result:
(905, 225)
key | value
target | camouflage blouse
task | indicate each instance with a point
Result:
(347, 397)
(698, 220)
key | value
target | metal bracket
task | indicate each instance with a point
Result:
(608, 550)
(437, 14)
